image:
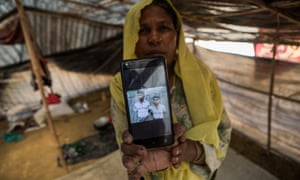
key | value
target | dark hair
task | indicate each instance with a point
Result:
(155, 97)
(140, 92)
(170, 11)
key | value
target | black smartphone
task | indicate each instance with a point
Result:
(146, 95)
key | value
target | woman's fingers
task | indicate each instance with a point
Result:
(154, 161)
(178, 135)
(128, 148)
(177, 155)
(127, 137)
(176, 151)
(140, 170)
(178, 130)
(133, 149)
(181, 139)
(134, 156)
(131, 162)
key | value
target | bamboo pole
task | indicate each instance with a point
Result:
(36, 69)
(271, 89)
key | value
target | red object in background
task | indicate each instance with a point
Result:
(110, 119)
(283, 52)
(53, 98)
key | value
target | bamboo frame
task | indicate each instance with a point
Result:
(271, 89)
(36, 69)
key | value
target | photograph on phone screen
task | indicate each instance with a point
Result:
(149, 106)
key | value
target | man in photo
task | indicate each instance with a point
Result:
(141, 107)
(157, 109)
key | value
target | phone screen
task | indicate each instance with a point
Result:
(146, 94)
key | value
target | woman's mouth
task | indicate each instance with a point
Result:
(155, 53)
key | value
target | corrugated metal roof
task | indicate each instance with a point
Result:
(97, 10)
(222, 20)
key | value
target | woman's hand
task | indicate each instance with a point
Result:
(187, 150)
(138, 160)
(177, 151)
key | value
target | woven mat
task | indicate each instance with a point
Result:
(91, 147)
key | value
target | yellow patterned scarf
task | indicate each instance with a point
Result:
(200, 87)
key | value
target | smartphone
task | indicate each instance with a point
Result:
(146, 95)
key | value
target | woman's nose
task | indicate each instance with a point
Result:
(154, 38)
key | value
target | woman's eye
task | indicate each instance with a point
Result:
(161, 29)
(164, 29)
(143, 31)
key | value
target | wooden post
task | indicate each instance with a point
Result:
(36, 69)
(271, 89)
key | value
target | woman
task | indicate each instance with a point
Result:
(202, 129)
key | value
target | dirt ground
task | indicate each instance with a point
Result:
(35, 157)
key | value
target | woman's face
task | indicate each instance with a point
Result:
(157, 34)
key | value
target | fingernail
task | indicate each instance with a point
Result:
(126, 161)
(141, 150)
(177, 152)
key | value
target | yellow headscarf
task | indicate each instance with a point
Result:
(200, 87)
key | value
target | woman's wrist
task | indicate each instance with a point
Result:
(193, 152)
(200, 155)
